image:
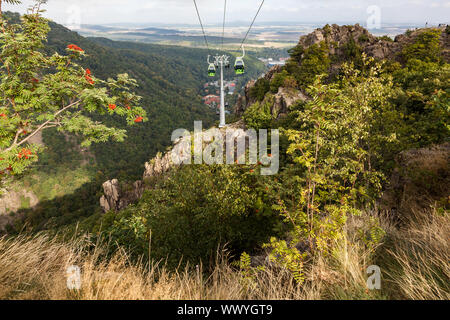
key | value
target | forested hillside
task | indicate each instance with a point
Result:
(169, 80)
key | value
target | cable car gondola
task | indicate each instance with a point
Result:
(211, 68)
(239, 65)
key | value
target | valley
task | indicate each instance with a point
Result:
(337, 145)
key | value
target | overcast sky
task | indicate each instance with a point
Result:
(183, 11)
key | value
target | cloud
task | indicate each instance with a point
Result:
(182, 11)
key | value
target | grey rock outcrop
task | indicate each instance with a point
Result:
(245, 100)
(116, 197)
(284, 99)
(158, 166)
(13, 200)
(379, 48)
(339, 36)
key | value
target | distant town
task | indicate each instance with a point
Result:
(211, 92)
(270, 62)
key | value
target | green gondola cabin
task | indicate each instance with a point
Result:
(212, 70)
(239, 66)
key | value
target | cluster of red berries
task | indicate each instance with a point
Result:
(113, 107)
(2, 115)
(88, 76)
(25, 153)
(75, 48)
(259, 163)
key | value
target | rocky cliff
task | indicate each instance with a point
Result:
(380, 48)
(283, 99)
(117, 196)
(337, 38)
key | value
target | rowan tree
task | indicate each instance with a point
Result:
(40, 91)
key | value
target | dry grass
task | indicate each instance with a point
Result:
(420, 256)
(35, 268)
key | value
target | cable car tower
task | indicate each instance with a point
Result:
(223, 61)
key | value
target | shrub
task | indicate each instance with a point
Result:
(333, 173)
(386, 38)
(258, 115)
(259, 90)
(314, 61)
(196, 210)
(353, 53)
(363, 38)
(426, 47)
(278, 81)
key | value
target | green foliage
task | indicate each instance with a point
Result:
(282, 79)
(422, 103)
(196, 210)
(278, 81)
(170, 101)
(426, 47)
(308, 63)
(353, 52)
(247, 271)
(334, 151)
(259, 90)
(258, 115)
(288, 257)
(296, 53)
(386, 38)
(374, 234)
(363, 38)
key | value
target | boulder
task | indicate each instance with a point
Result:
(116, 197)
(12, 200)
(284, 99)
